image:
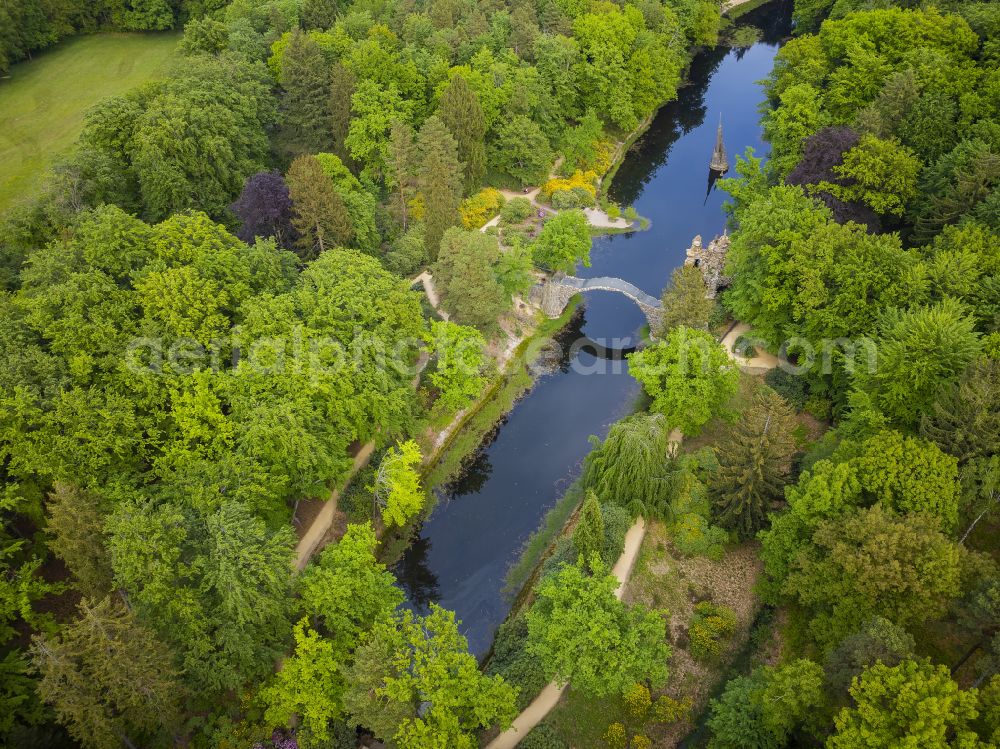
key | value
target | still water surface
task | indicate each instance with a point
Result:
(486, 514)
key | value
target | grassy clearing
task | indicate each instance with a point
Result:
(43, 102)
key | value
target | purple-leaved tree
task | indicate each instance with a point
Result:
(822, 152)
(264, 209)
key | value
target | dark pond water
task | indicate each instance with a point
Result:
(486, 514)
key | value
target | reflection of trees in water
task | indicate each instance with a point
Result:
(774, 19)
(475, 471)
(415, 577)
(672, 121)
(687, 112)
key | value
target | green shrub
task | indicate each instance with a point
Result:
(543, 736)
(631, 213)
(614, 211)
(407, 254)
(577, 197)
(617, 521)
(718, 316)
(511, 661)
(516, 210)
(695, 536)
(793, 389)
(710, 627)
(356, 500)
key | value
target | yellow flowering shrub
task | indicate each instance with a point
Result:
(615, 736)
(604, 150)
(637, 701)
(416, 205)
(584, 180)
(481, 207)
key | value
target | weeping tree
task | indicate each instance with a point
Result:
(634, 467)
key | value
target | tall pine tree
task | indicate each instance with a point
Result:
(754, 461)
(463, 116)
(339, 105)
(321, 218)
(439, 180)
(399, 175)
(76, 527)
(305, 76)
(588, 536)
(108, 678)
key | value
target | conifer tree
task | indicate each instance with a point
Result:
(466, 278)
(318, 14)
(108, 678)
(462, 114)
(305, 76)
(754, 461)
(321, 218)
(439, 180)
(76, 527)
(339, 108)
(588, 536)
(400, 169)
(684, 301)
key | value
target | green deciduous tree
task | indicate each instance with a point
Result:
(872, 563)
(584, 636)
(688, 376)
(521, 150)
(439, 180)
(310, 686)
(907, 474)
(878, 641)
(461, 113)
(413, 681)
(881, 173)
(346, 591)
(754, 461)
(461, 359)
(921, 353)
(914, 703)
(564, 241)
(763, 710)
(318, 14)
(320, 216)
(685, 302)
(108, 678)
(374, 109)
(397, 484)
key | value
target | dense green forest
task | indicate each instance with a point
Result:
(206, 313)
(875, 225)
(204, 317)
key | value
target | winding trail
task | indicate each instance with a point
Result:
(549, 697)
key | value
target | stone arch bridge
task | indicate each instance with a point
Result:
(554, 293)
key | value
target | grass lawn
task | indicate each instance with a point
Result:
(43, 102)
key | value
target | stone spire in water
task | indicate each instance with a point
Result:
(719, 162)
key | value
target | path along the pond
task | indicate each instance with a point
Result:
(549, 697)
